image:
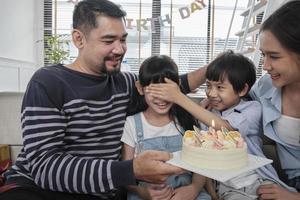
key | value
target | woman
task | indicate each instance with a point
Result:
(279, 93)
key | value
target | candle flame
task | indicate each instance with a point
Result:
(213, 123)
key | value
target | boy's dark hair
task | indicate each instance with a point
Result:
(237, 68)
(153, 70)
(284, 24)
(87, 11)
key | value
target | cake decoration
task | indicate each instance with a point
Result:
(214, 149)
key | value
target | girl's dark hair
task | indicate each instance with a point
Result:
(153, 70)
(284, 24)
(237, 68)
(86, 12)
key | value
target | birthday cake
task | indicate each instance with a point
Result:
(220, 150)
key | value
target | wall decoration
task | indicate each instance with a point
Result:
(143, 24)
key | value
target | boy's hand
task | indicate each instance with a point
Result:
(168, 91)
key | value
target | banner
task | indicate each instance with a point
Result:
(143, 24)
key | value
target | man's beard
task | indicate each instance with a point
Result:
(114, 71)
(111, 72)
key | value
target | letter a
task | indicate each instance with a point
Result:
(194, 7)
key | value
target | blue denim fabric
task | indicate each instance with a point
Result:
(164, 143)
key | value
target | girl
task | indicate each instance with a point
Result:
(160, 127)
(229, 79)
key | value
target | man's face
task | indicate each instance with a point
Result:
(105, 46)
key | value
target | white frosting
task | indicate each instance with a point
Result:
(215, 152)
(213, 158)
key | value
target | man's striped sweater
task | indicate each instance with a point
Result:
(72, 125)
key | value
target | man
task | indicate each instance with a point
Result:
(73, 117)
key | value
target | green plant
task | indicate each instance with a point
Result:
(57, 49)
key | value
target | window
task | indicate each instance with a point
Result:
(185, 30)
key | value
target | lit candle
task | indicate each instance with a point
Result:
(214, 134)
(211, 129)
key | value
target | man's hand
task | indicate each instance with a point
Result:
(276, 192)
(150, 166)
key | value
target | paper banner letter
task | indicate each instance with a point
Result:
(195, 7)
(184, 12)
(141, 23)
(129, 23)
(161, 20)
(154, 22)
(202, 3)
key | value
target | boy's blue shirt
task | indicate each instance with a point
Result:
(246, 118)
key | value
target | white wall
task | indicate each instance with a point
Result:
(10, 121)
(21, 27)
(20, 50)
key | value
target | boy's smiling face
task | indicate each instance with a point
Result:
(221, 95)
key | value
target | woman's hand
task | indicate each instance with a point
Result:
(276, 192)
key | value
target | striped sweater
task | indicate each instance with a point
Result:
(72, 125)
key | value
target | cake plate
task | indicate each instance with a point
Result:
(254, 162)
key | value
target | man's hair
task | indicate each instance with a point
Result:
(86, 12)
(284, 24)
(237, 68)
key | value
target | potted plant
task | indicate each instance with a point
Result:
(57, 49)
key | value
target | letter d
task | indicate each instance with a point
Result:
(184, 12)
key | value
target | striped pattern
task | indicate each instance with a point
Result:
(72, 148)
